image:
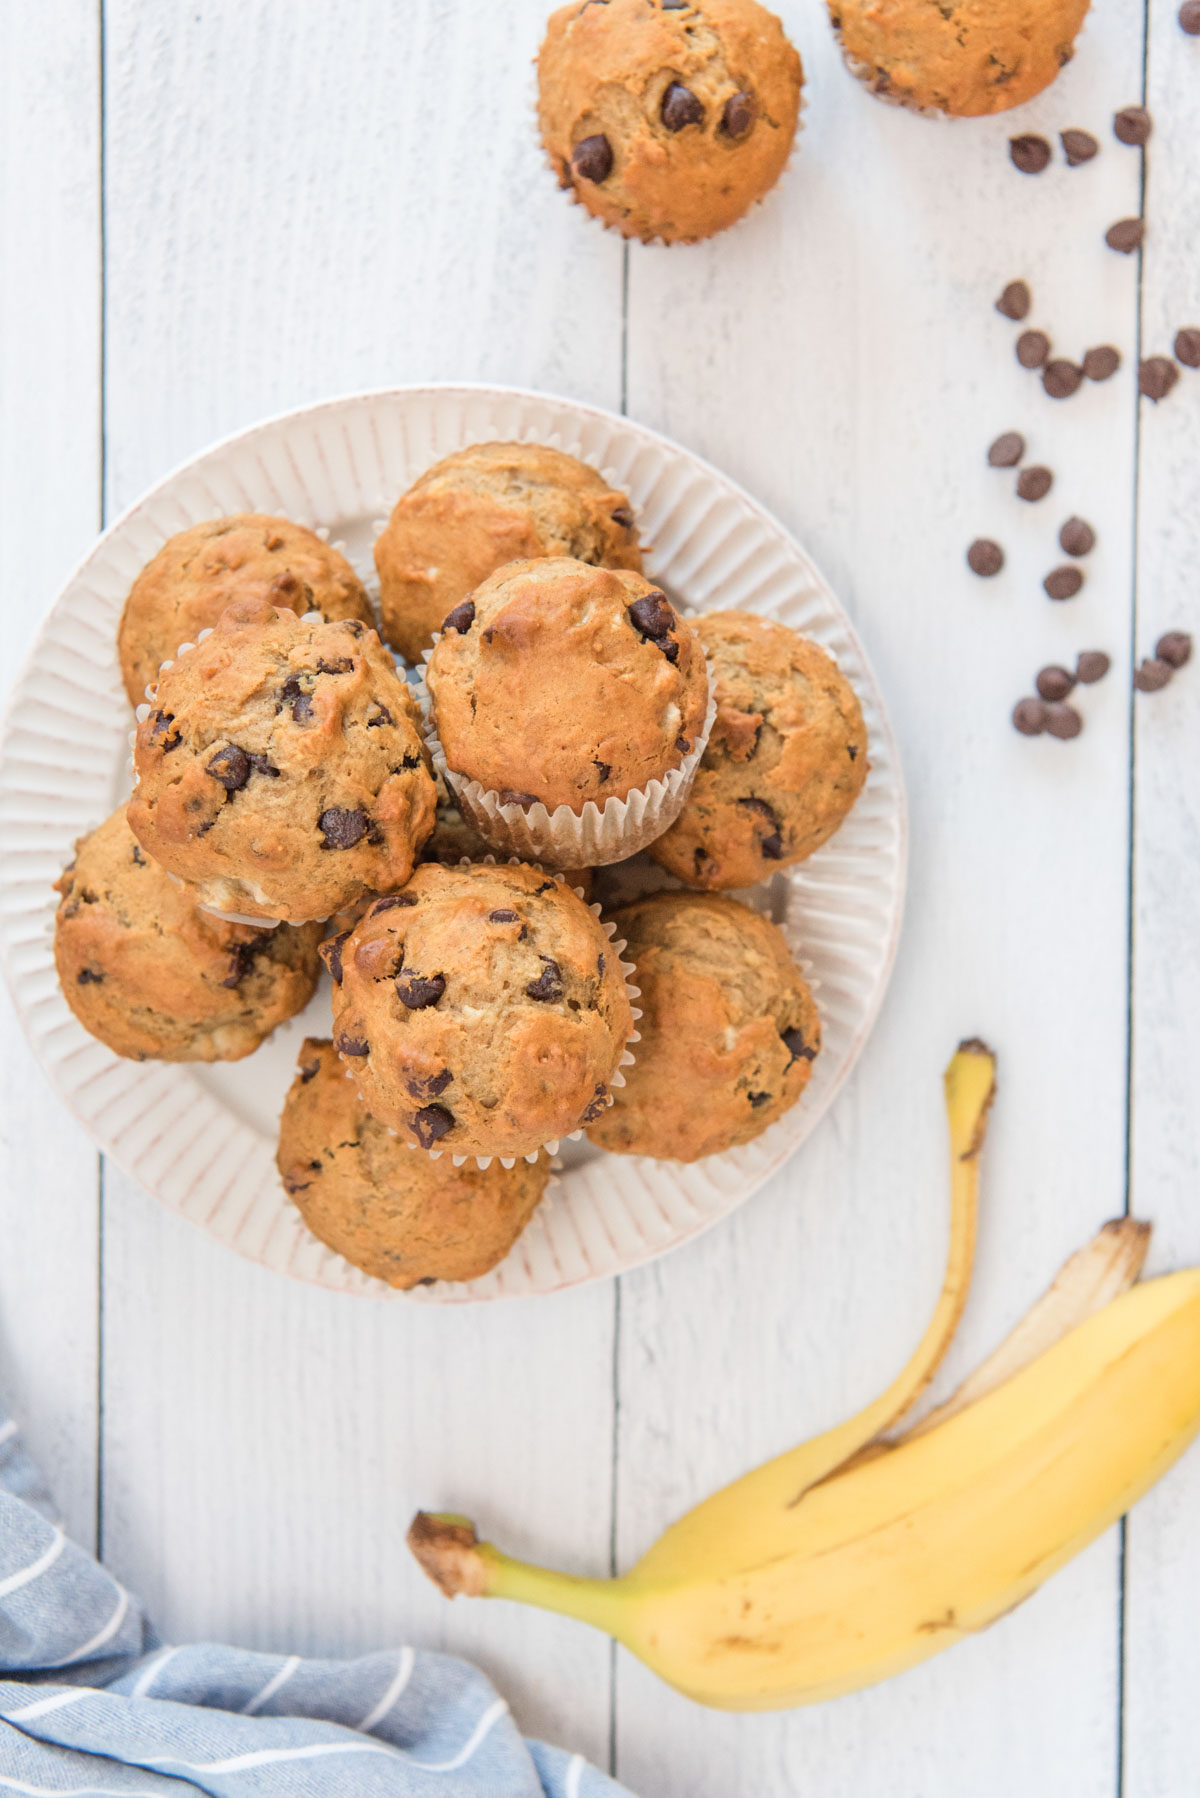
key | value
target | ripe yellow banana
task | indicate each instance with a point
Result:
(854, 1556)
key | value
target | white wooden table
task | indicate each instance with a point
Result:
(214, 210)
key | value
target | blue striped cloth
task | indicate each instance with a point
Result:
(92, 1704)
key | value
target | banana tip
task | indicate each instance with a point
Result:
(446, 1548)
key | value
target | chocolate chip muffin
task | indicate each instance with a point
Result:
(197, 573)
(964, 57)
(404, 1218)
(562, 683)
(786, 759)
(666, 118)
(729, 1032)
(482, 1010)
(281, 768)
(481, 507)
(155, 978)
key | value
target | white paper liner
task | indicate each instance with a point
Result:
(563, 838)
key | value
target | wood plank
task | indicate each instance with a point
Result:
(353, 202)
(839, 353)
(49, 512)
(1162, 1731)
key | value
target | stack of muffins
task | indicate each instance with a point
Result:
(434, 840)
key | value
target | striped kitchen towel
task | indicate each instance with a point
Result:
(93, 1705)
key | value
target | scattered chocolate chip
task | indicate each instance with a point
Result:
(1078, 146)
(231, 766)
(342, 665)
(1132, 125)
(261, 765)
(683, 745)
(1091, 665)
(242, 959)
(1054, 682)
(461, 618)
(1007, 450)
(1029, 717)
(738, 114)
(381, 716)
(623, 516)
(352, 1045)
(432, 1122)
(597, 1104)
(1156, 377)
(680, 107)
(1034, 483)
(139, 860)
(331, 954)
(757, 1099)
(510, 796)
(1126, 236)
(342, 829)
(1152, 675)
(1061, 378)
(1063, 721)
(1015, 301)
(1029, 153)
(1063, 583)
(1077, 538)
(161, 735)
(547, 886)
(1100, 363)
(603, 769)
(985, 557)
(1032, 348)
(308, 1069)
(1189, 17)
(654, 618)
(797, 1048)
(592, 158)
(390, 901)
(548, 984)
(428, 1086)
(502, 916)
(1174, 648)
(419, 991)
(1187, 347)
(600, 966)
(770, 846)
(89, 977)
(292, 693)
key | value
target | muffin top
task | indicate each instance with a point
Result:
(404, 1218)
(668, 119)
(965, 57)
(564, 683)
(157, 979)
(482, 1010)
(197, 573)
(281, 768)
(785, 762)
(729, 1031)
(481, 507)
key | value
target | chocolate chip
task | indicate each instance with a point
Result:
(1063, 721)
(1187, 347)
(308, 1069)
(139, 860)
(293, 694)
(352, 1045)
(654, 618)
(161, 735)
(1015, 301)
(89, 977)
(419, 991)
(261, 765)
(390, 901)
(1078, 146)
(1091, 665)
(1152, 675)
(592, 158)
(461, 618)
(1174, 648)
(757, 1099)
(1077, 537)
(1007, 450)
(1054, 682)
(510, 796)
(1100, 363)
(1061, 378)
(738, 114)
(381, 716)
(597, 1104)
(1029, 153)
(603, 769)
(680, 107)
(623, 516)
(1156, 377)
(1063, 583)
(1032, 348)
(502, 916)
(797, 1048)
(342, 665)
(1132, 125)
(1189, 17)
(1034, 483)
(231, 766)
(342, 829)
(548, 984)
(985, 557)
(421, 1086)
(771, 846)
(1029, 717)
(331, 954)
(431, 1123)
(1126, 236)
(683, 745)
(600, 966)
(242, 959)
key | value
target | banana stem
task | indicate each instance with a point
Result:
(455, 1559)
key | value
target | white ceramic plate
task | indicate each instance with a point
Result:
(202, 1139)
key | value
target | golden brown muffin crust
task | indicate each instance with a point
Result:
(199, 572)
(281, 767)
(729, 1029)
(400, 1216)
(564, 683)
(668, 121)
(155, 978)
(785, 762)
(481, 507)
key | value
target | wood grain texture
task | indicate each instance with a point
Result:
(49, 513)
